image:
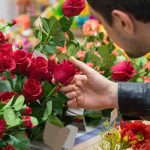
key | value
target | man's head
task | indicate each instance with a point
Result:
(126, 21)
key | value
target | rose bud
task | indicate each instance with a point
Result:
(4, 78)
(7, 36)
(38, 68)
(27, 111)
(90, 64)
(81, 55)
(27, 122)
(8, 147)
(64, 72)
(2, 128)
(73, 7)
(6, 96)
(12, 23)
(2, 38)
(32, 90)
(22, 61)
(123, 71)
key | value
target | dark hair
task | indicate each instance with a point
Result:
(140, 9)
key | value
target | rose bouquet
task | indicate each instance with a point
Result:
(30, 74)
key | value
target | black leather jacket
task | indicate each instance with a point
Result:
(134, 100)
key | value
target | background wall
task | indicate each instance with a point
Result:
(8, 9)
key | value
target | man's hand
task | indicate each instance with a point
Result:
(91, 90)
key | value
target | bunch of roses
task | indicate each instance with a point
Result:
(36, 69)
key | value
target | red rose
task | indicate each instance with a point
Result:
(48, 77)
(6, 96)
(2, 128)
(6, 63)
(22, 61)
(2, 38)
(6, 49)
(38, 68)
(73, 7)
(64, 72)
(51, 65)
(27, 111)
(8, 147)
(27, 122)
(123, 71)
(32, 90)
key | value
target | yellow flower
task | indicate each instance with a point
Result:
(147, 56)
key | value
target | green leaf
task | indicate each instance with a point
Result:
(34, 121)
(104, 50)
(19, 103)
(55, 121)
(5, 86)
(72, 48)
(61, 57)
(50, 47)
(48, 110)
(56, 31)
(2, 144)
(1, 106)
(45, 24)
(9, 103)
(66, 23)
(9, 78)
(47, 87)
(20, 141)
(18, 84)
(96, 60)
(10, 117)
(70, 34)
(109, 61)
(59, 102)
(101, 36)
(36, 108)
(111, 46)
(40, 35)
(36, 33)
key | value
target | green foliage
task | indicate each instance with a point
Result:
(10, 117)
(48, 111)
(66, 23)
(56, 121)
(20, 141)
(59, 102)
(50, 35)
(5, 86)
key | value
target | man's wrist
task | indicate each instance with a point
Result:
(113, 95)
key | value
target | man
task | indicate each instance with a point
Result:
(127, 23)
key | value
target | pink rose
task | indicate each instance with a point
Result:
(91, 27)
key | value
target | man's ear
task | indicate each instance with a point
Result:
(123, 22)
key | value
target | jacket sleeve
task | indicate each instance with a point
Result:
(134, 100)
